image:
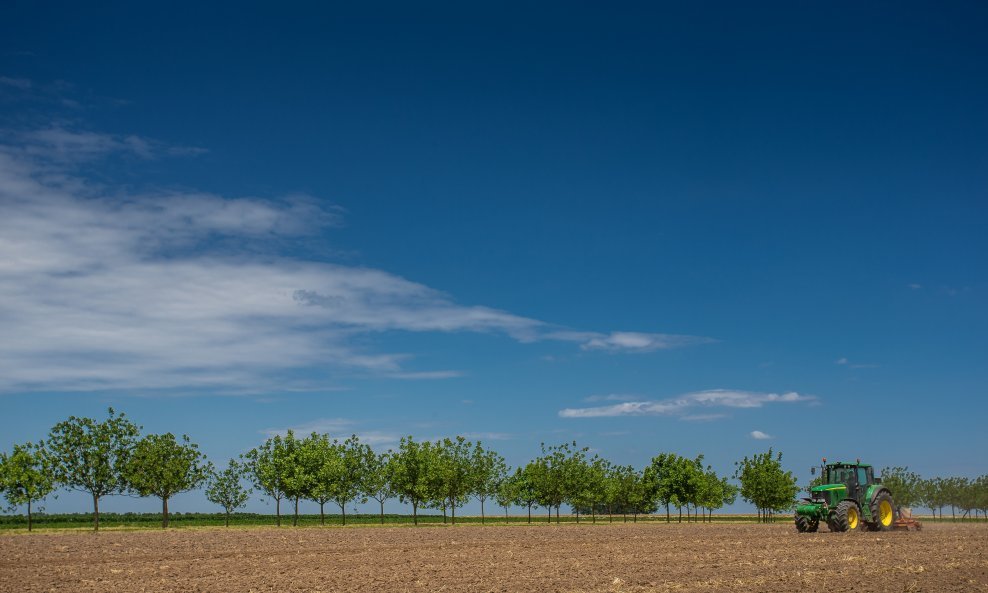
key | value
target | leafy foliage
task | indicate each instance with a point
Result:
(91, 456)
(226, 489)
(26, 476)
(160, 465)
(765, 484)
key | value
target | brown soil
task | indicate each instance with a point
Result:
(618, 558)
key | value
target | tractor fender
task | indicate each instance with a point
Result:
(873, 491)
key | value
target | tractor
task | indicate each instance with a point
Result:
(850, 498)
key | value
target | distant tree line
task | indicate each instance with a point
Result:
(969, 496)
(111, 456)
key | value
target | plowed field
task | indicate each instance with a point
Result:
(642, 557)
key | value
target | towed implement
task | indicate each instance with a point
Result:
(850, 498)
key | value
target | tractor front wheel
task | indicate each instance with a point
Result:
(806, 525)
(847, 517)
(882, 513)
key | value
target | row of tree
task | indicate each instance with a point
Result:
(111, 456)
(960, 494)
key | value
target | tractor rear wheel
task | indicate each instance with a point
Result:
(806, 525)
(847, 517)
(882, 512)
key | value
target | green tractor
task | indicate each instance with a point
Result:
(849, 499)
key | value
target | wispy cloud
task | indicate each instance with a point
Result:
(624, 341)
(423, 375)
(61, 144)
(108, 288)
(679, 406)
(759, 435)
(855, 365)
(915, 286)
(611, 397)
(18, 83)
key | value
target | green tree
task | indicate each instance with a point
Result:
(267, 465)
(489, 471)
(659, 479)
(160, 465)
(523, 487)
(226, 489)
(343, 477)
(321, 457)
(376, 479)
(452, 472)
(410, 473)
(905, 485)
(551, 476)
(26, 477)
(90, 456)
(591, 490)
(716, 492)
(765, 484)
(298, 470)
(507, 492)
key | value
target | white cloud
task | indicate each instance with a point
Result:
(915, 286)
(611, 397)
(60, 144)
(18, 83)
(759, 435)
(841, 360)
(622, 341)
(678, 406)
(105, 288)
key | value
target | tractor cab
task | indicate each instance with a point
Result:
(844, 480)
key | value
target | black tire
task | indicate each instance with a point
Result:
(882, 512)
(847, 517)
(806, 525)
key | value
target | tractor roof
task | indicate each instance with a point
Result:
(848, 464)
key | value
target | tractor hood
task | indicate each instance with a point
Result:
(824, 488)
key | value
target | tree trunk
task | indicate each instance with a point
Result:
(453, 511)
(481, 511)
(444, 513)
(577, 516)
(680, 514)
(295, 516)
(322, 512)
(343, 511)
(95, 512)
(164, 512)
(529, 513)
(277, 511)
(382, 511)
(557, 514)
(668, 520)
(415, 513)
(29, 514)
(505, 515)
(228, 518)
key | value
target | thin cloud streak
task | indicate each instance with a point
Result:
(108, 289)
(679, 406)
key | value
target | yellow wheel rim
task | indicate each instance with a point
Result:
(852, 518)
(885, 513)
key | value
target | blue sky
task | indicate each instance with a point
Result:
(645, 227)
